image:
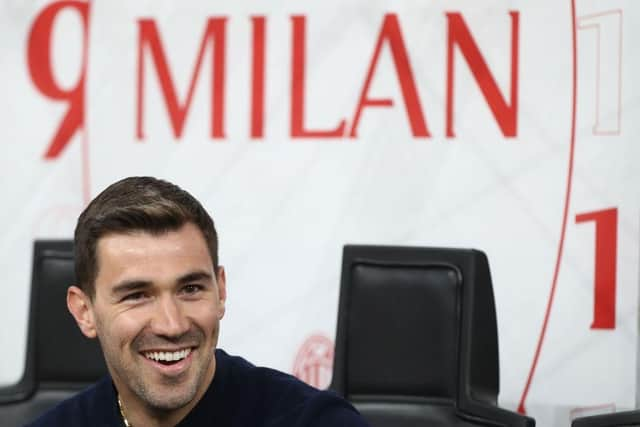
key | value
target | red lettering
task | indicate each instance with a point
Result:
(258, 74)
(608, 65)
(604, 303)
(459, 35)
(149, 38)
(390, 33)
(41, 71)
(297, 87)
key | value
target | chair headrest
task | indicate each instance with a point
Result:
(62, 353)
(403, 333)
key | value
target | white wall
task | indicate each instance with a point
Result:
(285, 204)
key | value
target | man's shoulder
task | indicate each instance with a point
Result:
(315, 408)
(265, 382)
(327, 409)
(287, 401)
(82, 409)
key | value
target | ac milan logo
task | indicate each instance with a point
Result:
(314, 361)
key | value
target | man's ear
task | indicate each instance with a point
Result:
(221, 279)
(81, 308)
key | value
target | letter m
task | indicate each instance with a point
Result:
(149, 41)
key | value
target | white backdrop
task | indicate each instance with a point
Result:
(502, 126)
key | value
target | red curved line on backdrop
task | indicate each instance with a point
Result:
(554, 283)
(86, 170)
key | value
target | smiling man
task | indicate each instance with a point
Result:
(151, 290)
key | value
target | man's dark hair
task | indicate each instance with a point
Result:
(136, 204)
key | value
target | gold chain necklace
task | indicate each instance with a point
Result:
(124, 417)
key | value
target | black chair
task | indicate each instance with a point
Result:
(416, 341)
(617, 419)
(60, 361)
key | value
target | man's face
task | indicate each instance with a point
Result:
(156, 312)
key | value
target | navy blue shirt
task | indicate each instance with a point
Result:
(240, 395)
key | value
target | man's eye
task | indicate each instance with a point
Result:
(192, 289)
(136, 296)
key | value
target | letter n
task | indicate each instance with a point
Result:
(149, 40)
(505, 114)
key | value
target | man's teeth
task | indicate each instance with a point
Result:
(167, 356)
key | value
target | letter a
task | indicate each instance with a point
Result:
(390, 33)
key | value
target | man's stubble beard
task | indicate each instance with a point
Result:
(155, 396)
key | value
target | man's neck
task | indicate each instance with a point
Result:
(153, 417)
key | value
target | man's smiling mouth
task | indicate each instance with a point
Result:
(168, 357)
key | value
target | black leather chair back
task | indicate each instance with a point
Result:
(617, 419)
(60, 361)
(416, 340)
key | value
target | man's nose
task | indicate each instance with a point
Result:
(169, 320)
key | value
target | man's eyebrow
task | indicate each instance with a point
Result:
(130, 285)
(194, 276)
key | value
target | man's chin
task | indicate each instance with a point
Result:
(169, 403)
(169, 389)
(166, 393)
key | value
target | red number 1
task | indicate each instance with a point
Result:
(604, 304)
